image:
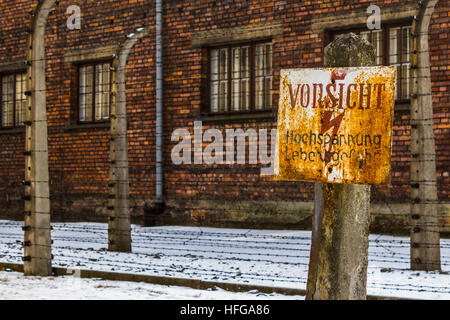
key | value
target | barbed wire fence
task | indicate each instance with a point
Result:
(96, 180)
(279, 259)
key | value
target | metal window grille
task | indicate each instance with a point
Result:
(13, 100)
(94, 88)
(241, 78)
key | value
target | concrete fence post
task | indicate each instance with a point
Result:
(119, 231)
(339, 250)
(37, 237)
(425, 237)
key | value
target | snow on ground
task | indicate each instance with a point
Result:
(256, 257)
(14, 286)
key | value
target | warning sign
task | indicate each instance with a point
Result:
(335, 125)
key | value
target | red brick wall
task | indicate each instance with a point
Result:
(440, 74)
(79, 156)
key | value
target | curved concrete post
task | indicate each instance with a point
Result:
(425, 238)
(37, 238)
(119, 220)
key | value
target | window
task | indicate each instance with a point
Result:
(13, 100)
(393, 48)
(94, 87)
(241, 78)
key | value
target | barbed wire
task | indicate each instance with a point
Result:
(224, 185)
(194, 270)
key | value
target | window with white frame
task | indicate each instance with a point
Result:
(241, 78)
(13, 99)
(94, 89)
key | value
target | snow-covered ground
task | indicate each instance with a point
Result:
(256, 257)
(14, 286)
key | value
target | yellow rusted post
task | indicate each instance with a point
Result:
(339, 251)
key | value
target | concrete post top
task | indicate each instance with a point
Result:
(349, 50)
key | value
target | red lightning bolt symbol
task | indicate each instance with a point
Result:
(327, 123)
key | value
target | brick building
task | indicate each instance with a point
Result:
(222, 61)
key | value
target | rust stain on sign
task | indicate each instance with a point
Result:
(335, 125)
